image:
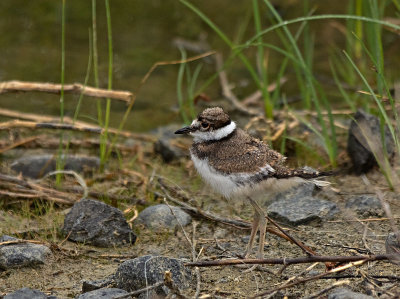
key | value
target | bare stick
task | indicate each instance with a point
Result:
(46, 141)
(12, 242)
(76, 88)
(235, 223)
(36, 118)
(226, 90)
(200, 213)
(160, 63)
(58, 126)
(18, 143)
(291, 261)
(339, 269)
(303, 247)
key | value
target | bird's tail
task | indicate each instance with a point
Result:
(308, 174)
(311, 174)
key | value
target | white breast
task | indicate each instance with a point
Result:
(221, 183)
(225, 184)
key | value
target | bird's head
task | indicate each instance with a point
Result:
(211, 124)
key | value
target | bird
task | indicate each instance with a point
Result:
(235, 165)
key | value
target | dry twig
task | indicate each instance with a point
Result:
(235, 223)
(226, 90)
(339, 269)
(48, 120)
(76, 88)
(46, 141)
(291, 261)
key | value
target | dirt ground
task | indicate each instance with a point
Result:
(347, 234)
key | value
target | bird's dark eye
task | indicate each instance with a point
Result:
(204, 125)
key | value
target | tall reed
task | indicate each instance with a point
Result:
(104, 136)
(60, 157)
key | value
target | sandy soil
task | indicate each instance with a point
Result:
(346, 234)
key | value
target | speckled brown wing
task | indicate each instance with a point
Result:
(238, 153)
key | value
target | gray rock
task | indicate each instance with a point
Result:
(27, 293)
(160, 216)
(94, 222)
(91, 285)
(164, 147)
(302, 190)
(392, 246)
(303, 210)
(5, 238)
(343, 293)
(357, 145)
(39, 165)
(104, 294)
(167, 150)
(365, 205)
(146, 270)
(22, 254)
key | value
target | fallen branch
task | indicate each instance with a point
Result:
(76, 88)
(36, 118)
(59, 126)
(291, 261)
(200, 213)
(45, 141)
(235, 223)
(304, 280)
(12, 242)
(387, 277)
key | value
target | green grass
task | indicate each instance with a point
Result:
(364, 18)
(96, 61)
(363, 36)
(186, 88)
(104, 137)
(60, 157)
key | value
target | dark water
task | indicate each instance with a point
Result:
(143, 33)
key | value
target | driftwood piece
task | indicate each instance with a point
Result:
(47, 121)
(76, 88)
(46, 141)
(12, 124)
(292, 261)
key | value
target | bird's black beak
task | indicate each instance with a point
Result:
(185, 130)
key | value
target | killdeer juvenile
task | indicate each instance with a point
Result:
(236, 164)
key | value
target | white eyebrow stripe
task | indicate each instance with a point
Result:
(214, 135)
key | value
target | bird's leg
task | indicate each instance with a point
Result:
(261, 225)
(254, 229)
